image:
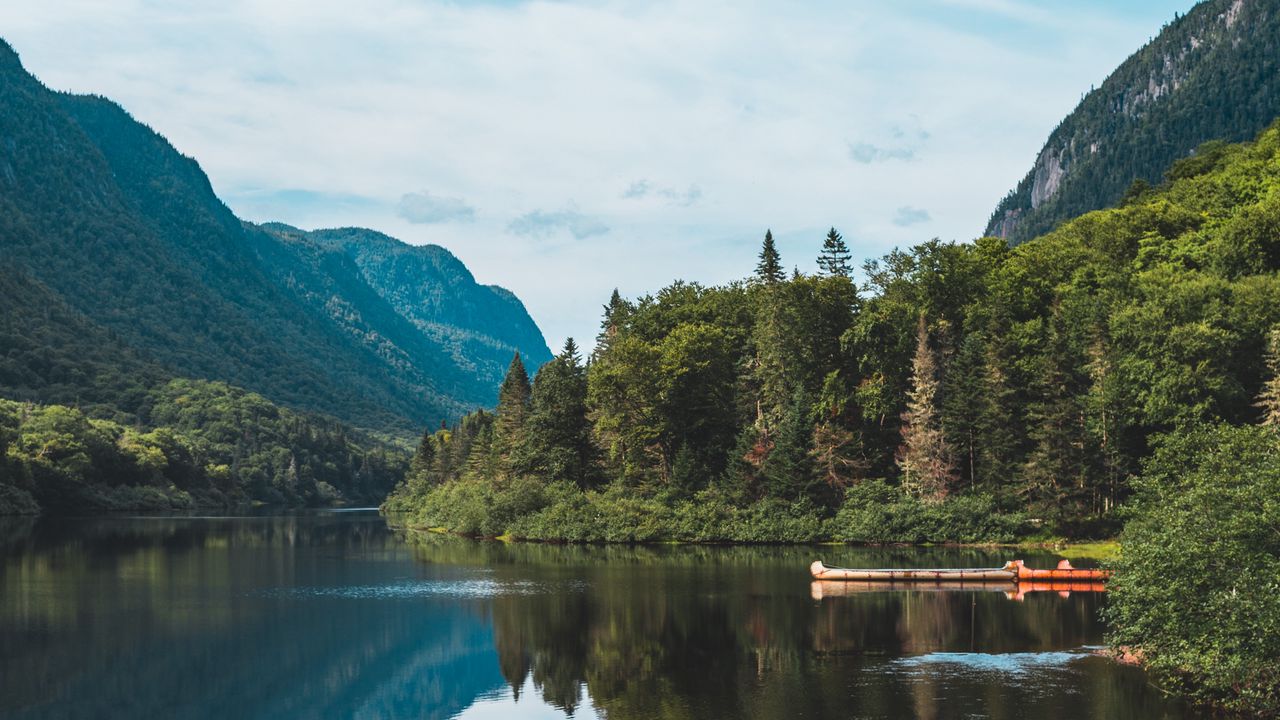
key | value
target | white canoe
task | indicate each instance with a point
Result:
(1005, 574)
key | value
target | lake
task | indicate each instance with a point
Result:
(335, 615)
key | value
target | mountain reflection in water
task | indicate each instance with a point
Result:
(335, 615)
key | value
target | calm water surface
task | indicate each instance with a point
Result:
(333, 615)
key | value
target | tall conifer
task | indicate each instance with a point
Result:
(512, 411)
(925, 457)
(835, 256)
(769, 269)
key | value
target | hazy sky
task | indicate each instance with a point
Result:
(561, 149)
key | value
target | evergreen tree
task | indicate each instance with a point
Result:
(788, 471)
(423, 461)
(834, 259)
(769, 269)
(999, 431)
(1269, 398)
(1054, 476)
(615, 317)
(513, 410)
(964, 403)
(925, 457)
(559, 434)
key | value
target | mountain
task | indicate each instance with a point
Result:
(104, 222)
(1213, 74)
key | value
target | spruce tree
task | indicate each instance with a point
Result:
(964, 402)
(559, 433)
(1269, 397)
(788, 471)
(834, 259)
(615, 316)
(1057, 466)
(925, 456)
(423, 461)
(769, 269)
(513, 410)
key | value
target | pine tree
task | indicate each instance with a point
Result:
(788, 471)
(925, 457)
(513, 410)
(964, 402)
(1269, 397)
(559, 433)
(834, 259)
(423, 461)
(1056, 468)
(769, 269)
(615, 316)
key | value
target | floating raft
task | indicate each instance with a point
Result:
(821, 589)
(1008, 573)
(1012, 571)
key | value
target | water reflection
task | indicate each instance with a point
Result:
(333, 615)
(737, 632)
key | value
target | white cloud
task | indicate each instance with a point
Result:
(541, 224)
(907, 215)
(769, 107)
(427, 209)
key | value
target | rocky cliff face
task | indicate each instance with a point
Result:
(1211, 74)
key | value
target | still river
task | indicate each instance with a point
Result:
(335, 615)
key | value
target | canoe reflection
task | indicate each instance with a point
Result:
(820, 589)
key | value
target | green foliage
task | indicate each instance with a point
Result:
(558, 437)
(1197, 585)
(208, 444)
(875, 511)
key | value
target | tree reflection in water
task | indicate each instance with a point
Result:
(701, 632)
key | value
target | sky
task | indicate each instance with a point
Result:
(564, 149)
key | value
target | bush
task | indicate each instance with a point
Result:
(1197, 586)
(874, 511)
(16, 501)
(527, 509)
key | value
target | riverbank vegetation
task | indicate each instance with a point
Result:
(194, 444)
(957, 392)
(1196, 593)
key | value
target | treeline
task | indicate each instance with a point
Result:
(1007, 382)
(204, 445)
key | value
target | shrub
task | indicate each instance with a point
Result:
(874, 511)
(1197, 585)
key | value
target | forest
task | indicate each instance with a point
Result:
(961, 391)
(204, 444)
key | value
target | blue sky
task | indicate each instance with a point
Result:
(562, 149)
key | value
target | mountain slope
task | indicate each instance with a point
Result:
(107, 216)
(1209, 75)
(438, 295)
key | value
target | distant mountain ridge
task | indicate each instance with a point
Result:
(101, 213)
(1212, 74)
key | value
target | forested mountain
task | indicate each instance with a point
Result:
(1213, 74)
(479, 326)
(158, 352)
(102, 213)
